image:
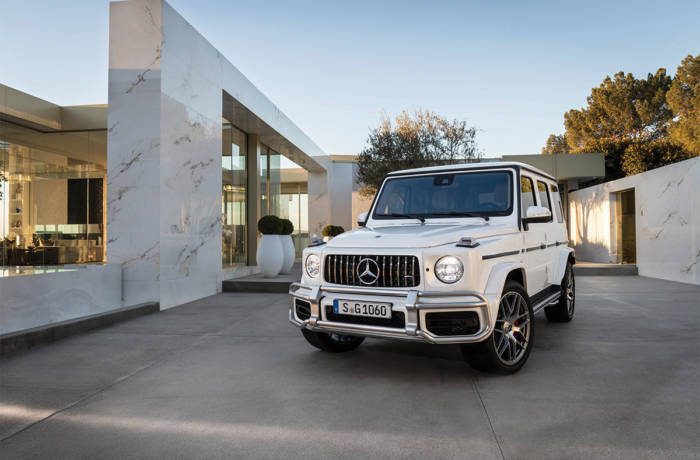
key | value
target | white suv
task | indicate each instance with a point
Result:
(460, 254)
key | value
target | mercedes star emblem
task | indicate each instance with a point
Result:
(367, 271)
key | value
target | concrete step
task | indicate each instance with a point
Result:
(254, 284)
(596, 269)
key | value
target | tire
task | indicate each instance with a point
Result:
(332, 343)
(508, 347)
(564, 310)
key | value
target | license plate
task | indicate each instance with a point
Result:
(355, 308)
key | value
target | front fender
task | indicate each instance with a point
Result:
(498, 275)
(562, 258)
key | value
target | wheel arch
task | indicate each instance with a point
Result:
(503, 272)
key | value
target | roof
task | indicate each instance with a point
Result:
(467, 166)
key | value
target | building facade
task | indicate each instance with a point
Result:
(155, 197)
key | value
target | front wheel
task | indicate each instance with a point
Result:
(333, 343)
(508, 347)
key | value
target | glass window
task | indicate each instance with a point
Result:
(544, 196)
(52, 196)
(527, 194)
(233, 207)
(444, 195)
(558, 209)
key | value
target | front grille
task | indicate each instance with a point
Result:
(303, 309)
(452, 323)
(397, 319)
(391, 271)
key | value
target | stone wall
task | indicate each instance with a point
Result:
(667, 221)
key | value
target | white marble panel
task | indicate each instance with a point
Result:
(133, 146)
(190, 209)
(667, 221)
(35, 300)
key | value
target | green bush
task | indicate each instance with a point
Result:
(332, 230)
(270, 225)
(287, 227)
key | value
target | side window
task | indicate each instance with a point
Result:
(527, 194)
(544, 196)
(558, 210)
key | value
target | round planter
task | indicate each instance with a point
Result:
(269, 256)
(289, 253)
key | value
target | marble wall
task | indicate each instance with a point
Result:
(166, 85)
(667, 221)
(164, 148)
(38, 299)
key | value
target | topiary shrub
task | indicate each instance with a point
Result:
(287, 227)
(332, 230)
(270, 225)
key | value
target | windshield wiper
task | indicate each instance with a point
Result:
(404, 216)
(459, 214)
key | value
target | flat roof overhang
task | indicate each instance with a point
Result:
(244, 119)
(565, 166)
(32, 112)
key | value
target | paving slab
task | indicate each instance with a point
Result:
(227, 376)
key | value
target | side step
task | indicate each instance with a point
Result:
(545, 297)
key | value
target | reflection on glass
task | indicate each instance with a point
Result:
(233, 205)
(52, 196)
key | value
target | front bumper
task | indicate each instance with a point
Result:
(413, 304)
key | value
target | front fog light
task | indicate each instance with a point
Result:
(312, 265)
(449, 269)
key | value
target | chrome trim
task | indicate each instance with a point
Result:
(414, 312)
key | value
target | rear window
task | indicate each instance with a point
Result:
(558, 209)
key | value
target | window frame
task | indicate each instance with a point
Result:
(520, 193)
(549, 199)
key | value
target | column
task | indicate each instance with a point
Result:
(252, 196)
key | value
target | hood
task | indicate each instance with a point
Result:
(415, 236)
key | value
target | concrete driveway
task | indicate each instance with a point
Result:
(227, 376)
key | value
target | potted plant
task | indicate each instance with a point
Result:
(269, 254)
(329, 231)
(287, 246)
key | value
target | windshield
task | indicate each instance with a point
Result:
(458, 194)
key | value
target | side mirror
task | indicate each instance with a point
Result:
(536, 215)
(362, 219)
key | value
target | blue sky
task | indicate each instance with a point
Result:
(510, 68)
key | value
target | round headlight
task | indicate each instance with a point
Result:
(449, 269)
(312, 265)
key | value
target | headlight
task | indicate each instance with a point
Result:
(449, 269)
(312, 265)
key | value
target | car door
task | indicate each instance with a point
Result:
(533, 239)
(550, 233)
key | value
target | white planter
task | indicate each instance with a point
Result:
(269, 256)
(326, 239)
(289, 253)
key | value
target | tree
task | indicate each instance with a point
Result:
(622, 108)
(621, 111)
(556, 144)
(413, 140)
(643, 156)
(684, 100)
(628, 120)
